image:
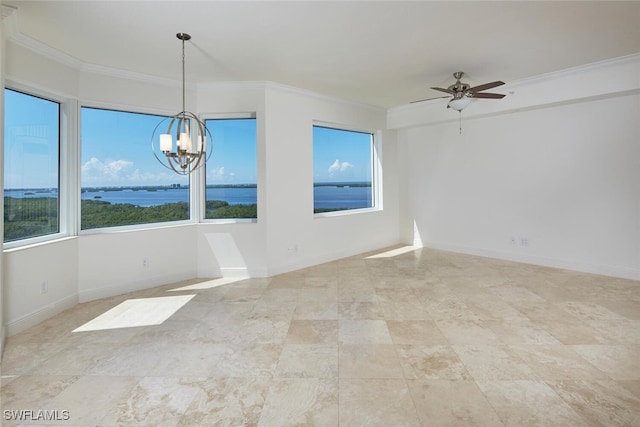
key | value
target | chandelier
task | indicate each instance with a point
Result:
(185, 153)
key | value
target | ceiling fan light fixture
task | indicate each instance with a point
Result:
(459, 104)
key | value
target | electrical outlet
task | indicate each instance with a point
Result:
(524, 241)
(145, 263)
(44, 287)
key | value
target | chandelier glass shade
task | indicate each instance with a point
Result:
(183, 146)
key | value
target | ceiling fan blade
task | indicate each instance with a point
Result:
(487, 95)
(429, 99)
(444, 90)
(485, 86)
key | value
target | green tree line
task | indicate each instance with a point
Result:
(37, 216)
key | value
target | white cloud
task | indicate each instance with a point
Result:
(110, 171)
(338, 167)
(120, 172)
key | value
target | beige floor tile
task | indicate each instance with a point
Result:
(308, 361)
(485, 362)
(437, 362)
(405, 310)
(312, 332)
(368, 361)
(316, 310)
(529, 403)
(556, 362)
(104, 393)
(301, 401)
(33, 392)
(415, 332)
(368, 310)
(243, 361)
(452, 403)
(467, 332)
(367, 403)
(631, 385)
(363, 332)
(620, 362)
(227, 402)
(600, 401)
(154, 401)
(520, 330)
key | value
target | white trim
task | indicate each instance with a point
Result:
(65, 121)
(376, 169)
(31, 319)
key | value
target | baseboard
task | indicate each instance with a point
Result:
(110, 291)
(31, 319)
(299, 261)
(600, 269)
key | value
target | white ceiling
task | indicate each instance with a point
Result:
(384, 53)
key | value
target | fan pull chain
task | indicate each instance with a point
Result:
(460, 118)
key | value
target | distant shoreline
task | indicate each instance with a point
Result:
(181, 187)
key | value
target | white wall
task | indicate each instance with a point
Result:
(565, 175)
(115, 263)
(27, 270)
(295, 238)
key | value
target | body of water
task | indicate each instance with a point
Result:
(324, 196)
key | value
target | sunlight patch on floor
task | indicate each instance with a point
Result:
(208, 284)
(137, 312)
(394, 252)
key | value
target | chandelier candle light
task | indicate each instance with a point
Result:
(190, 136)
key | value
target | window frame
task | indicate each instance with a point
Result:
(193, 219)
(376, 169)
(203, 191)
(67, 118)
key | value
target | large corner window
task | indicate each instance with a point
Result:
(231, 171)
(121, 181)
(31, 166)
(343, 169)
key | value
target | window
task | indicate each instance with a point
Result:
(343, 168)
(231, 171)
(122, 183)
(31, 172)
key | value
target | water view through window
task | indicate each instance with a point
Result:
(343, 169)
(232, 169)
(31, 173)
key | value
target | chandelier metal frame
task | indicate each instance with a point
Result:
(190, 146)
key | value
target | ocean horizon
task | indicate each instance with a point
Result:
(327, 195)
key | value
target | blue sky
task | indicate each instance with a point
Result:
(340, 155)
(116, 149)
(31, 148)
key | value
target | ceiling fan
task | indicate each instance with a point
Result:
(463, 92)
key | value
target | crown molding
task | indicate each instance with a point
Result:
(7, 10)
(15, 36)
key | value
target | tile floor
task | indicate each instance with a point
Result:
(423, 338)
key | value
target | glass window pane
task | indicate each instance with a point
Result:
(31, 171)
(122, 182)
(342, 169)
(231, 178)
